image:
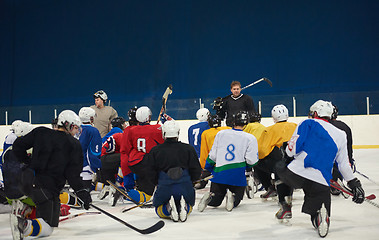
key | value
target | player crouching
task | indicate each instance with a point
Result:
(174, 166)
(233, 152)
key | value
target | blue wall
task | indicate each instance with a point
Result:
(60, 52)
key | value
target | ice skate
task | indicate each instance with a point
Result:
(104, 192)
(269, 194)
(229, 201)
(204, 201)
(114, 196)
(18, 213)
(284, 214)
(174, 212)
(183, 210)
(322, 222)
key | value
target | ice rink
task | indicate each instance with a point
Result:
(252, 219)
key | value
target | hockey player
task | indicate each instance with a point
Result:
(136, 142)
(118, 126)
(91, 145)
(57, 157)
(207, 138)
(254, 126)
(195, 131)
(233, 152)
(174, 166)
(344, 127)
(104, 114)
(269, 143)
(234, 103)
(315, 146)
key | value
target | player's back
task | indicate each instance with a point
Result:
(142, 139)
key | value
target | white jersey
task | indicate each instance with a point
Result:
(231, 152)
(316, 145)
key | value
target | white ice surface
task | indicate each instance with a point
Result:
(252, 219)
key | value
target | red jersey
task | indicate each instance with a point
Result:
(136, 142)
(112, 144)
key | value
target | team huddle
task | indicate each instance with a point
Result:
(48, 170)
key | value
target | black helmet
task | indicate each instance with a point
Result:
(117, 122)
(214, 121)
(132, 116)
(241, 118)
(255, 117)
(335, 112)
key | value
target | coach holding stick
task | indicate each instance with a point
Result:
(234, 103)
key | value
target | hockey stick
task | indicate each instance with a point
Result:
(258, 81)
(368, 199)
(164, 100)
(366, 177)
(203, 179)
(77, 215)
(125, 194)
(148, 230)
(144, 204)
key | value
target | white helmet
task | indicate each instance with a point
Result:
(23, 129)
(202, 114)
(86, 113)
(143, 114)
(170, 129)
(101, 94)
(279, 113)
(15, 124)
(323, 108)
(68, 119)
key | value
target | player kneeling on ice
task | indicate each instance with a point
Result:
(314, 147)
(233, 152)
(174, 167)
(57, 156)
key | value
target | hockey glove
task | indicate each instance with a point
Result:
(84, 198)
(356, 188)
(287, 159)
(165, 117)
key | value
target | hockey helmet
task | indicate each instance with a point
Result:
(279, 113)
(255, 117)
(241, 118)
(143, 114)
(202, 114)
(15, 124)
(214, 121)
(101, 94)
(23, 129)
(86, 114)
(132, 116)
(118, 122)
(170, 129)
(323, 109)
(68, 119)
(217, 103)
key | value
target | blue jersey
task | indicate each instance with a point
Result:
(194, 135)
(90, 140)
(316, 145)
(111, 132)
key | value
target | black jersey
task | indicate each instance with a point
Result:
(173, 154)
(57, 156)
(344, 127)
(232, 105)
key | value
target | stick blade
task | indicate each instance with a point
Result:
(154, 228)
(268, 81)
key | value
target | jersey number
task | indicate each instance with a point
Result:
(141, 145)
(229, 156)
(195, 132)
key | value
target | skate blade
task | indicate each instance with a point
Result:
(270, 199)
